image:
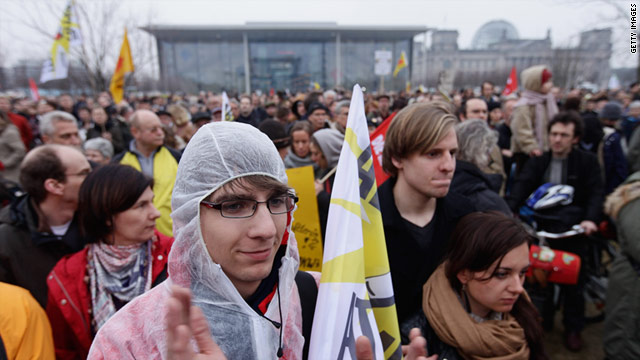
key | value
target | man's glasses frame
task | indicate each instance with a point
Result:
(249, 205)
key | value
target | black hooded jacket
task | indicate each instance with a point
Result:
(480, 188)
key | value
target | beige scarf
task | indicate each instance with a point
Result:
(491, 339)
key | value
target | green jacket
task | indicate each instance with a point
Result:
(622, 323)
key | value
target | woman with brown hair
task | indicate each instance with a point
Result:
(475, 303)
(126, 257)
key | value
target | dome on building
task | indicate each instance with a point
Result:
(493, 32)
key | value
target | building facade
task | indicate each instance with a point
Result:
(264, 56)
(496, 48)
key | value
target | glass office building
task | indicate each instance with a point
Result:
(264, 56)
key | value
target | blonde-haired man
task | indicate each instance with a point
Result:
(418, 211)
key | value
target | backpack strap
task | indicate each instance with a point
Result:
(308, 291)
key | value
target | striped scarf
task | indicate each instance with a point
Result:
(117, 271)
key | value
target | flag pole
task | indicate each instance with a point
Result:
(333, 171)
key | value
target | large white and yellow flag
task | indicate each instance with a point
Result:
(356, 295)
(57, 64)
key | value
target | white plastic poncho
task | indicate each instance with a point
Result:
(218, 153)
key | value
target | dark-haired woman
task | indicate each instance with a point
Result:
(475, 305)
(105, 127)
(126, 257)
(300, 153)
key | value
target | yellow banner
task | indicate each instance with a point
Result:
(124, 66)
(306, 222)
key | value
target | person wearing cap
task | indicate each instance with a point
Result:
(376, 117)
(165, 117)
(612, 153)
(276, 132)
(318, 116)
(200, 119)
(216, 114)
(271, 109)
(531, 114)
(495, 114)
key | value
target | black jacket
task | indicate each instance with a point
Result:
(27, 255)
(482, 189)
(583, 173)
(434, 344)
(411, 262)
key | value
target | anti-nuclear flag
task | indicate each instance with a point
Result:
(68, 34)
(226, 108)
(355, 295)
(124, 66)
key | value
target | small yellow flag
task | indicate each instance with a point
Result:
(316, 86)
(402, 63)
(124, 66)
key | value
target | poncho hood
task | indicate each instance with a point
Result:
(217, 154)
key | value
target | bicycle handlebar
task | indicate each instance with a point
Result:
(575, 230)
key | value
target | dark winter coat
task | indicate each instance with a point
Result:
(410, 261)
(27, 255)
(621, 333)
(478, 187)
(117, 139)
(583, 173)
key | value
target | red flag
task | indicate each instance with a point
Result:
(512, 83)
(377, 144)
(34, 90)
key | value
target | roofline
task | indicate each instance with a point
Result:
(257, 26)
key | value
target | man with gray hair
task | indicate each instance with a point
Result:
(340, 115)
(329, 97)
(98, 150)
(59, 127)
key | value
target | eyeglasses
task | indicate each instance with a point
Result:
(84, 172)
(245, 208)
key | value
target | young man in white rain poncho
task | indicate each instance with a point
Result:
(237, 257)
(235, 253)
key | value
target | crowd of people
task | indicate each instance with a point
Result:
(135, 230)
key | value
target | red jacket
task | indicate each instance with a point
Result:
(23, 126)
(69, 302)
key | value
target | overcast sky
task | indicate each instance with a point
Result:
(565, 18)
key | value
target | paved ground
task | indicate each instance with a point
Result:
(592, 337)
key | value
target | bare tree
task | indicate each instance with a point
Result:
(102, 25)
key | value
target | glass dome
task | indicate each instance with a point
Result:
(493, 32)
